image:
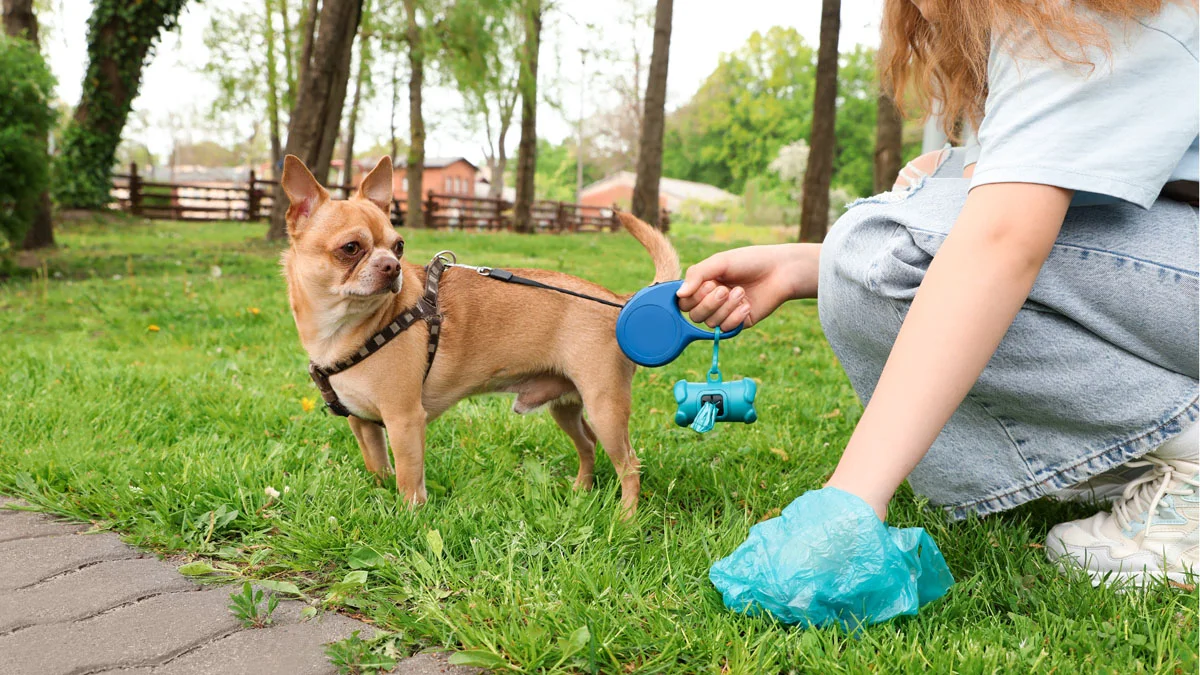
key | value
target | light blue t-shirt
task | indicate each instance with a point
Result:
(1118, 132)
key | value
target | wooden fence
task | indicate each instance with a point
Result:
(252, 201)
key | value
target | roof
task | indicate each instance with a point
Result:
(682, 190)
(437, 162)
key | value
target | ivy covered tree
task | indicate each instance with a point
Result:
(121, 38)
(20, 22)
(26, 89)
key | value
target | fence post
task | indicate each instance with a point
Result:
(252, 197)
(430, 207)
(135, 190)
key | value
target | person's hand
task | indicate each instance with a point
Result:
(744, 285)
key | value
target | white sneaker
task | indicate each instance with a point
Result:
(1103, 488)
(1153, 531)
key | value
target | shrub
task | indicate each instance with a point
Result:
(26, 90)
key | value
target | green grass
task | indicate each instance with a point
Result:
(160, 435)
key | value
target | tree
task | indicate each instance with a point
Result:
(649, 164)
(360, 82)
(246, 66)
(121, 36)
(414, 170)
(527, 150)
(482, 51)
(26, 90)
(20, 22)
(814, 209)
(272, 84)
(321, 91)
(889, 143)
(757, 100)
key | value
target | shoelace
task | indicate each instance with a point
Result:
(1166, 477)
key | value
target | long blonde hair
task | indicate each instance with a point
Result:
(947, 59)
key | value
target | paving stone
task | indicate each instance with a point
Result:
(286, 649)
(30, 524)
(432, 664)
(149, 632)
(27, 561)
(116, 611)
(421, 664)
(89, 591)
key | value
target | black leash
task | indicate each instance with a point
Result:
(510, 278)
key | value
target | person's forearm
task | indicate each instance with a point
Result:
(807, 259)
(972, 292)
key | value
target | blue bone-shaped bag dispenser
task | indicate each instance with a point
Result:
(734, 401)
(652, 332)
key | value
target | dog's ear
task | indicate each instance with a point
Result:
(377, 186)
(304, 192)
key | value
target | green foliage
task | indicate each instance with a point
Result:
(26, 89)
(146, 432)
(760, 99)
(356, 656)
(245, 606)
(121, 36)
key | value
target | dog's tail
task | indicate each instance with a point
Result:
(666, 260)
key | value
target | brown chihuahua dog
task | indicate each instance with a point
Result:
(347, 279)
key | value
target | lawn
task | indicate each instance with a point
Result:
(154, 385)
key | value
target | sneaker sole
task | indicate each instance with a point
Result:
(1068, 564)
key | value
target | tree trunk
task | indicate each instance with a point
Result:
(414, 170)
(395, 103)
(307, 33)
(498, 163)
(272, 90)
(650, 148)
(321, 93)
(20, 21)
(333, 114)
(120, 39)
(889, 143)
(527, 150)
(364, 61)
(814, 206)
(289, 55)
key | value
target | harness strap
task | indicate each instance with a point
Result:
(425, 310)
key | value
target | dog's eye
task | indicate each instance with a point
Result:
(398, 248)
(351, 248)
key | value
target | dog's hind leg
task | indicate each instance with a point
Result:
(608, 406)
(373, 445)
(569, 416)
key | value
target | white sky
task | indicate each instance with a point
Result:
(702, 31)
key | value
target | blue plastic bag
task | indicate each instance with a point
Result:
(829, 559)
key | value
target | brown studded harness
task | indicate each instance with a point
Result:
(425, 310)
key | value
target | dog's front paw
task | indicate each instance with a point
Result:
(414, 498)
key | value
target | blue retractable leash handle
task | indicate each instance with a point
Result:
(652, 332)
(651, 329)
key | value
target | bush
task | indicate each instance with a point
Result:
(26, 90)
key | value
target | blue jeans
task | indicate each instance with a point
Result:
(1099, 367)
